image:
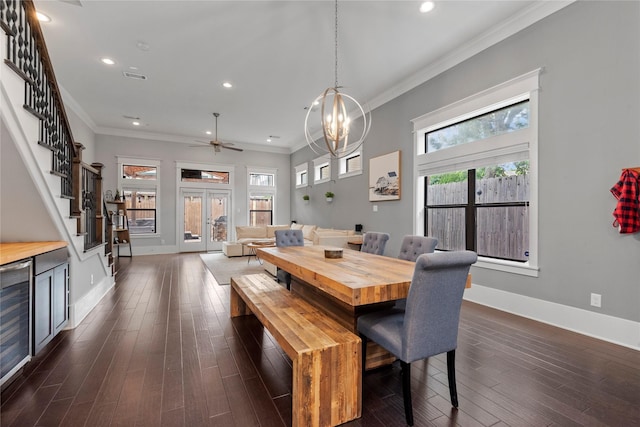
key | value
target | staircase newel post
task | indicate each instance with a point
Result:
(99, 203)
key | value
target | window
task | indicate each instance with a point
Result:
(494, 221)
(196, 175)
(260, 209)
(139, 183)
(262, 193)
(350, 165)
(302, 176)
(261, 179)
(141, 210)
(321, 170)
(476, 175)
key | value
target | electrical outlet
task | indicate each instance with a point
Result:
(92, 279)
(375, 208)
(596, 300)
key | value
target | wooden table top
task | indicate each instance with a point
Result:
(357, 278)
(15, 251)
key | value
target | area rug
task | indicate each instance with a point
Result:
(224, 268)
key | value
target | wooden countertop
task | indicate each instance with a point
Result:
(15, 251)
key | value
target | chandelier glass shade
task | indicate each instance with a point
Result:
(338, 138)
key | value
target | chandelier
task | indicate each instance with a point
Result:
(334, 119)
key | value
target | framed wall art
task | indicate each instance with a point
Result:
(384, 177)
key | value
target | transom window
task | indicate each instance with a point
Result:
(302, 175)
(196, 175)
(350, 165)
(322, 170)
(493, 123)
(261, 179)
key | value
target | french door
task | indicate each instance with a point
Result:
(204, 217)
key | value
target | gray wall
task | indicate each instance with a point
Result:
(109, 147)
(589, 129)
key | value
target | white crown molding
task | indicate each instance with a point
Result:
(534, 13)
(537, 11)
(126, 133)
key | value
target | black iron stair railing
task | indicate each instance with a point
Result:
(27, 55)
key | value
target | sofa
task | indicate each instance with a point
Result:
(250, 234)
(312, 234)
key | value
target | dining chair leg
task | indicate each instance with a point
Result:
(406, 391)
(451, 374)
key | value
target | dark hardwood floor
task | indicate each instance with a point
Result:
(160, 350)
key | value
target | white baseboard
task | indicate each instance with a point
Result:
(607, 328)
(79, 310)
(152, 250)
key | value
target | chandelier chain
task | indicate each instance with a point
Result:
(336, 45)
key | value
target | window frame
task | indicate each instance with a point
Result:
(344, 161)
(262, 190)
(514, 146)
(142, 185)
(299, 171)
(318, 164)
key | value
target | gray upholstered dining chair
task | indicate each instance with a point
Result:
(412, 247)
(287, 238)
(374, 242)
(429, 325)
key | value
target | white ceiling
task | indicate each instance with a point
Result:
(278, 54)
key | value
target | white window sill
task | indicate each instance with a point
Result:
(524, 269)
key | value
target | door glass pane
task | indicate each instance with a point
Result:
(448, 226)
(503, 232)
(447, 189)
(218, 222)
(192, 219)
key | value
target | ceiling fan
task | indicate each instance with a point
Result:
(215, 143)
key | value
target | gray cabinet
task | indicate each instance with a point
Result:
(50, 297)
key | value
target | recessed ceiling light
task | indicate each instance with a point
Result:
(42, 17)
(227, 85)
(208, 132)
(108, 61)
(427, 6)
(268, 139)
(135, 123)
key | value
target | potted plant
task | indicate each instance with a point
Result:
(329, 195)
(305, 198)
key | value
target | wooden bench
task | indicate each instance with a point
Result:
(326, 356)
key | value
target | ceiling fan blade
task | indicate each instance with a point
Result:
(232, 148)
(73, 2)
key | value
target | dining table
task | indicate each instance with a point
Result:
(345, 287)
